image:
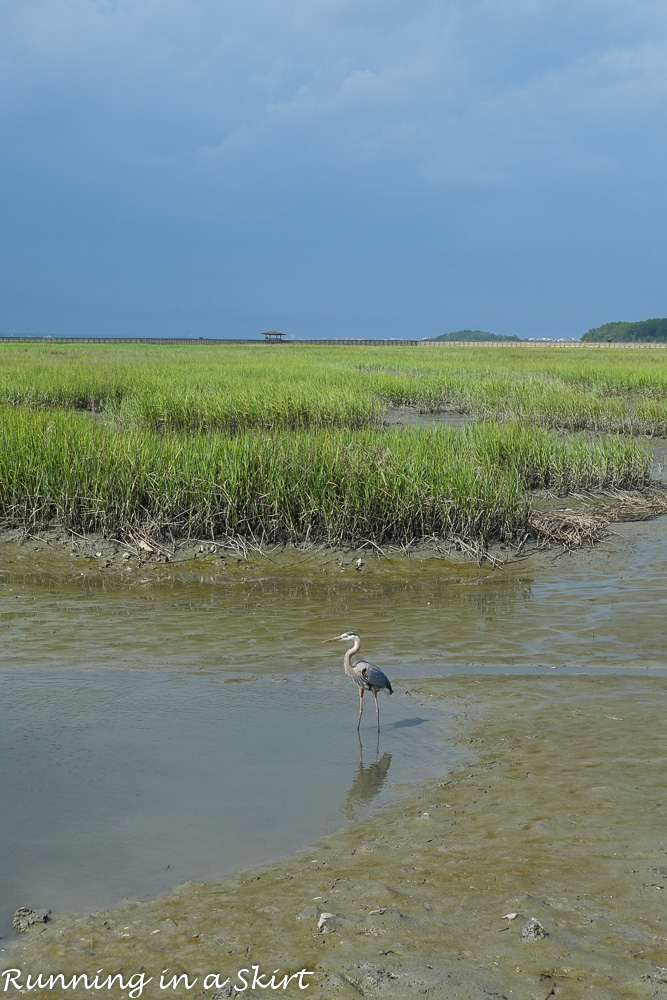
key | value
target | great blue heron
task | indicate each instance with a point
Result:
(367, 675)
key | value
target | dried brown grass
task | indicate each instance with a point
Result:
(574, 528)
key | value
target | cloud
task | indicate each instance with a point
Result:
(174, 77)
(127, 120)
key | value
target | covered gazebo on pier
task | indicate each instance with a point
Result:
(273, 337)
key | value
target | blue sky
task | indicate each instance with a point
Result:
(331, 167)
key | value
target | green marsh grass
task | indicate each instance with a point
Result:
(336, 485)
(286, 443)
(290, 386)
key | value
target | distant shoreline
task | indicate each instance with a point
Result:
(340, 341)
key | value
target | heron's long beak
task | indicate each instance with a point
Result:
(335, 639)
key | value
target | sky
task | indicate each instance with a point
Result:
(331, 168)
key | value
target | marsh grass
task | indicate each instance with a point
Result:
(234, 387)
(287, 444)
(60, 467)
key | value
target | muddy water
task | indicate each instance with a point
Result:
(601, 607)
(412, 416)
(160, 724)
(558, 816)
(126, 783)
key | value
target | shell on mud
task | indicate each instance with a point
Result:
(226, 991)
(533, 930)
(25, 918)
(329, 922)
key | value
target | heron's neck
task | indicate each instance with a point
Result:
(350, 653)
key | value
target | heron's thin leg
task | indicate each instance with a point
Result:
(377, 707)
(361, 706)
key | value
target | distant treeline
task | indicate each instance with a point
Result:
(475, 335)
(646, 330)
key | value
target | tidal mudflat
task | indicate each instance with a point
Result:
(180, 729)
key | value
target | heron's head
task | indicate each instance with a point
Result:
(345, 635)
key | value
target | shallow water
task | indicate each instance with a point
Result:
(165, 724)
(126, 783)
(559, 815)
(600, 607)
(411, 416)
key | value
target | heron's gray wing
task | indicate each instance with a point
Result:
(373, 676)
(359, 670)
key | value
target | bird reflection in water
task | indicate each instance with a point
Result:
(368, 781)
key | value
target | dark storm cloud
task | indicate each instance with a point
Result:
(331, 166)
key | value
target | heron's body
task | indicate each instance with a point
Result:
(368, 676)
